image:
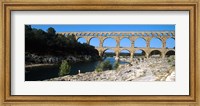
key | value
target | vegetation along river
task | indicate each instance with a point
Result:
(46, 72)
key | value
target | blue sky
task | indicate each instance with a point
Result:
(170, 43)
(105, 27)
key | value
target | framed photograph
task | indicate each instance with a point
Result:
(75, 52)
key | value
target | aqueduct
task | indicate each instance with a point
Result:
(132, 36)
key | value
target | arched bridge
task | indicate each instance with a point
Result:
(132, 36)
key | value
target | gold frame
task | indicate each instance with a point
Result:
(21, 5)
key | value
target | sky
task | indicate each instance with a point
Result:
(155, 43)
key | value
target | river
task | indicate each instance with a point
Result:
(47, 72)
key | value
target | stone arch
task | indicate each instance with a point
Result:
(156, 34)
(161, 34)
(109, 44)
(125, 37)
(140, 34)
(156, 42)
(90, 34)
(81, 40)
(170, 42)
(95, 34)
(155, 54)
(111, 34)
(145, 34)
(140, 42)
(125, 52)
(94, 41)
(139, 53)
(129, 34)
(116, 34)
(169, 53)
(110, 52)
(85, 34)
(98, 34)
(80, 34)
(77, 34)
(125, 42)
(107, 34)
(103, 34)
(171, 34)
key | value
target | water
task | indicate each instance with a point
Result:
(47, 72)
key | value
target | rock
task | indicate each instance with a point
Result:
(140, 73)
(35, 59)
(147, 70)
(171, 77)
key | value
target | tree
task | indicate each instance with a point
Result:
(49, 43)
(28, 28)
(64, 68)
(51, 31)
(71, 38)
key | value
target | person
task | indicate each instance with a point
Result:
(79, 71)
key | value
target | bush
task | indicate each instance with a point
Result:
(171, 60)
(99, 68)
(107, 65)
(116, 65)
(103, 66)
(64, 68)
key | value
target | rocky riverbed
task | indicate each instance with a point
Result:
(140, 69)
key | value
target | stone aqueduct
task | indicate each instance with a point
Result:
(132, 36)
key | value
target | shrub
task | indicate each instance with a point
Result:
(168, 60)
(171, 60)
(116, 65)
(99, 68)
(107, 65)
(103, 66)
(64, 68)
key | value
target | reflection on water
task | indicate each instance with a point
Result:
(46, 72)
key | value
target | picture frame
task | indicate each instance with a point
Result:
(119, 5)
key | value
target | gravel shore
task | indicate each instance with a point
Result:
(151, 69)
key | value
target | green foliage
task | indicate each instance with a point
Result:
(64, 68)
(51, 31)
(171, 60)
(116, 65)
(71, 39)
(40, 42)
(168, 60)
(104, 66)
(99, 68)
(107, 65)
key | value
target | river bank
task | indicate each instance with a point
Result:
(151, 69)
(34, 60)
(39, 72)
(37, 65)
